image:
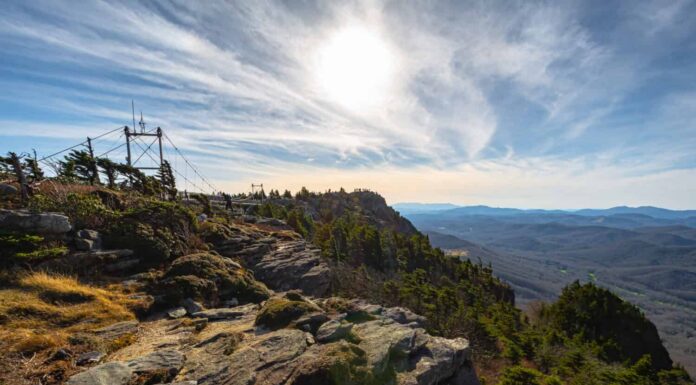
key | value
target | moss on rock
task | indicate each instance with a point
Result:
(214, 232)
(210, 278)
(340, 363)
(277, 313)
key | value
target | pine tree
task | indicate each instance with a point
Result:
(84, 167)
(166, 177)
(13, 162)
(35, 172)
(109, 168)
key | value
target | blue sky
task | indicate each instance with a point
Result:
(554, 104)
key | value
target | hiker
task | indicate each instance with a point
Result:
(228, 201)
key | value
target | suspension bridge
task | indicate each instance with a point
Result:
(143, 149)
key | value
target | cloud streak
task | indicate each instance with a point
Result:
(478, 86)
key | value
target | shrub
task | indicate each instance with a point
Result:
(154, 230)
(518, 375)
(21, 247)
(84, 210)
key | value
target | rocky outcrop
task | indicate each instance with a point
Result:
(162, 365)
(280, 263)
(35, 223)
(231, 349)
(210, 278)
(111, 262)
(295, 265)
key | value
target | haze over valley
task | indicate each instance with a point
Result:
(647, 255)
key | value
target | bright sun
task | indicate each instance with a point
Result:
(355, 68)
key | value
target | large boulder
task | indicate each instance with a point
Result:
(37, 223)
(110, 373)
(210, 278)
(333, 330)
(157, 366)
(294, 265)
(280, 312)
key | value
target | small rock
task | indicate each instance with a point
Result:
(110, 373)
(88, 234)
(191, 306)
(311, 322)
(84, 244)
(90, 358)
(61, 355)
(273, 222)
(218, 314)
(177, 313)
(310, 339)
(404, 316)
(231, 302)
(118, 329)
(163, 360)
(333, 330)
(200, 323)
(372, 309)
(181, 383)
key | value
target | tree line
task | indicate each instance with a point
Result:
(79, 166)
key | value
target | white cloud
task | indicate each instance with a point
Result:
(233, 84)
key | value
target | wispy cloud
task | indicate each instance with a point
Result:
(477, 85)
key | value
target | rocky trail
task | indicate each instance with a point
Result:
(368, 344)
(254, 309)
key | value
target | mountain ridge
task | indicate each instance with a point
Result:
(450, 209)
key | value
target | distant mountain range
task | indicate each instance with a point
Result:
(620, 217)
(646, 254)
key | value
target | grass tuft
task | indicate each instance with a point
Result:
(41, 310)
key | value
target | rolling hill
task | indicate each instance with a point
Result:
(645, 254)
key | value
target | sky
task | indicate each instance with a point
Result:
(531, 104)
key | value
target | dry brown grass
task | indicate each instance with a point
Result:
(57, 190)
(42, 310)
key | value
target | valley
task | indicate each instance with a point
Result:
(648, 260)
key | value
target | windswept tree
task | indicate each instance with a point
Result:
(13, 162)
(145, 184)
(66, 170)
(34, 171)
(166, 177)
(85, 166)
(109, 168)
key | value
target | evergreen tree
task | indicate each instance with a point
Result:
(83, 165)
(110, 170)
(34, 171)
(13, 163)
(166, 177)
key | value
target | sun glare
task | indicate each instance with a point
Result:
(355, 68)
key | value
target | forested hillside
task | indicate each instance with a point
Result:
(582, 338)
